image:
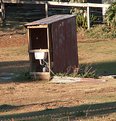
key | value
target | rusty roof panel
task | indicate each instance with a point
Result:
(49, 20)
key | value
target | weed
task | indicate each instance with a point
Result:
(11, 88)
(83, 72)
(87, 72)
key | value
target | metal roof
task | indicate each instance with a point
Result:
(49, 20)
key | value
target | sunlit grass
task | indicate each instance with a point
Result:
(14, 53)
(103, 51)
(102, 55)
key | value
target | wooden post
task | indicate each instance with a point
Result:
(88, 17)
(2, 11)
(46, 8)
(29, 47)
(49, 59)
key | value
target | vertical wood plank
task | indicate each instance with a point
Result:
(48, 40)
(29, 47)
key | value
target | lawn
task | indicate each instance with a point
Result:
(46, 101)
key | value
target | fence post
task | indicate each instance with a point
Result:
(88, 17)
(2, 10)
(46, 8)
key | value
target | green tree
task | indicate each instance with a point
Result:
(110, 16)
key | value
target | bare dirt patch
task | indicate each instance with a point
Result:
(12, 39)
(14, 51)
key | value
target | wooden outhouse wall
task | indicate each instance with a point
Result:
(64, 44)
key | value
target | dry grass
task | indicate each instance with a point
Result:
(14, 59)
(101, 54)
(24, 97)
(38, 96)
(103, 51)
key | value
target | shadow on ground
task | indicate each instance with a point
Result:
(21, 67)
(14, 71)
(105, 68)
(101, 68)
(13, 66)
(59, 113)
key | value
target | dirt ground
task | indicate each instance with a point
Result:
(12, 39)
(22, 97)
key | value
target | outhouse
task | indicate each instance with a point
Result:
(52, 45)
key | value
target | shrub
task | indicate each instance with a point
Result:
(101, 32)
(81, 21)
(110, 16)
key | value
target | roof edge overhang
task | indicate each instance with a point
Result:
(36, 26)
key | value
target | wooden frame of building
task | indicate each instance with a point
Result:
(56, 36)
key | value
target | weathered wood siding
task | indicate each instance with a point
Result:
(28, 12)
